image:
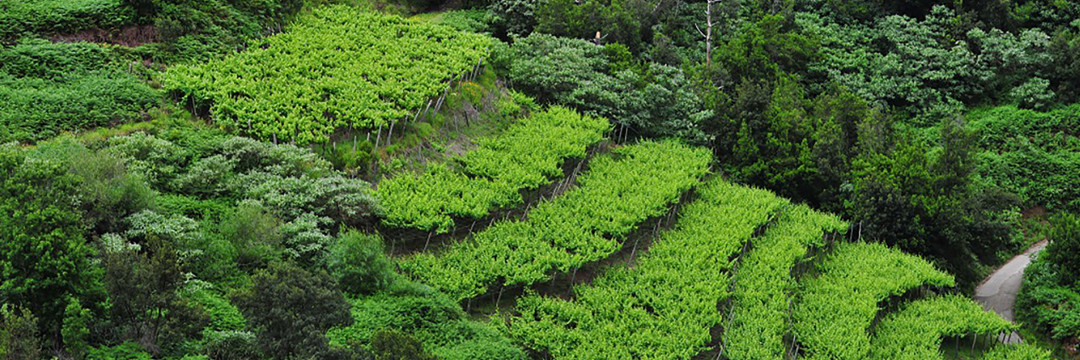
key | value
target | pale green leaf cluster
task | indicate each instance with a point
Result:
(1018, 352)
(665, 305)
(584, 225)
(761, 301)
(836, 308)
(337, 67)
(916, 331)
(525, 156)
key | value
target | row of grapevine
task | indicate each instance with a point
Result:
(336, 68)
(835, 309)
(916, 331)
(525, 156)
(664, 306)
(764, 280)
(584, 225)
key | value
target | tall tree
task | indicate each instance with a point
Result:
(44, 259)
(291, 310)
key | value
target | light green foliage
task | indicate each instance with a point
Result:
(335, 68)
(835, 309)
(584, 225)
(224, 316)
(525, 156)
(665, 306)
(764, 280)
(75, 331)
(916, 331)
(431, 318)
(23, 17)
(1018, 352)
(1032, 154)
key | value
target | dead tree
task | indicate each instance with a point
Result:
(707, 34)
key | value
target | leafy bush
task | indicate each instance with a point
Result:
(291, 310)
(1032, 154)
(656, 100)
(1064, 246)
(125, 351)
(357, 261)
(1046, 303)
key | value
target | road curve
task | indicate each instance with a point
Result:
(998, 291)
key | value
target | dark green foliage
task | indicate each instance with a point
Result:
(233, 345)
(18, 334)
(766, 49)
(291, 310)
(393, 345)
(653, 99)
(617, 21)
(357, 261)
(1046, 303)
(143, 280)
(22, 17)
(1065, 71)
(199, 30)
(48, 88)
(124, 351)
(514, 17)
(254, 233)
(428, 316)
(47, 60)
(1064, 247)
(108, 192)
(44, 259)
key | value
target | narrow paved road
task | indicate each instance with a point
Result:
(998, 291)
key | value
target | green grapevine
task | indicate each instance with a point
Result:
(336, 68)
(584, 225)
(916, 331)
(760, 318)
(525, 156)
(663, 307)
(838, 306)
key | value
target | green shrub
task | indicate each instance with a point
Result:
(125, 351)
(357, 261)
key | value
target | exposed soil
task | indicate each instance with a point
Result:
(130, 36)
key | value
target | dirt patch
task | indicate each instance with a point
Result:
(130, 36)
(1037, 212)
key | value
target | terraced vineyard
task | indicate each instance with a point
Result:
(525, 156)
(776, 280)
(337, 68)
